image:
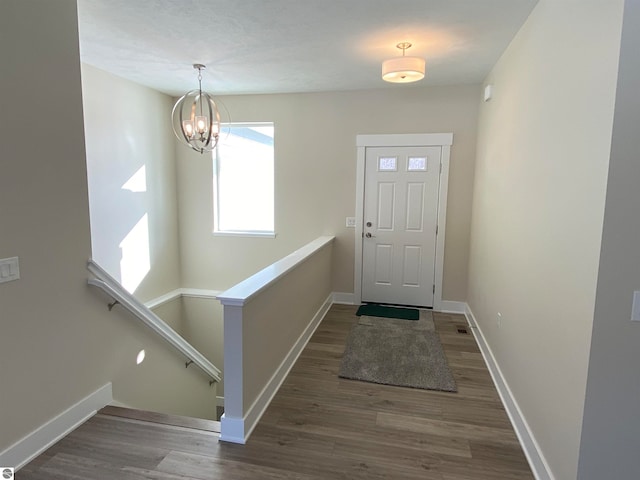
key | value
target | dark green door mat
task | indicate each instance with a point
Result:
(373, 310)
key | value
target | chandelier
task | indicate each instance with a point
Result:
(196, 119)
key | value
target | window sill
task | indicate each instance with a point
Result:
(245, 234)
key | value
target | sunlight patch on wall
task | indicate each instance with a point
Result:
(135, 262)
(138, 181)
(140, 357)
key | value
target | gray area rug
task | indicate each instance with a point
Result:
(397, 352)
(424, 322)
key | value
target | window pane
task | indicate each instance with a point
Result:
(387, 164)
(244, 180)
(417, 163)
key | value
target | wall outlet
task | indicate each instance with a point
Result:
(499, 320)
(351, 222)
(9, 269)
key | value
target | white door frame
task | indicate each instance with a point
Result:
(444, 140)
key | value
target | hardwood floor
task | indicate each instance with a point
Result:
(318, 427)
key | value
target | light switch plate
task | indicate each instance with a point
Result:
(635, 308)
(351, 222)
(9, 269)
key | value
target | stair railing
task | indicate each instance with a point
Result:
(120, 296)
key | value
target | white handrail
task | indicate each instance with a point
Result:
(112, 287)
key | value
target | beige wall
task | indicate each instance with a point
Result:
(128, 132)
(200, 322)
(171, 313)
(610, 440)
(202, 326)
(58, 342)
(541, 173)
(161, 383)
(315, 162)
(127, 128)
(274, 319)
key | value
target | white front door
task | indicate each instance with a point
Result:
(399, 224)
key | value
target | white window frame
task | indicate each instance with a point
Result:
(216, 207)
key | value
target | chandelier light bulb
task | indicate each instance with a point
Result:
(187, 128)
(201, 124)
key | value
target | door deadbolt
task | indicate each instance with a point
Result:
(368, 224)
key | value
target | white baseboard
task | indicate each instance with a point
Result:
(116, 403)
(29, 447)
(232, 429)
(447, 306)
(532, 450)
(238, 430)
(343, 298)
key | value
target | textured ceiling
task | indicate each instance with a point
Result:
(275, 46)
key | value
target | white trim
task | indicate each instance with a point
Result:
(232, 429)
(447, 306)
(163, 299)
(530, 446)
(200, 293)
(359, 232)
(111, 286)
(233, 362)
(242, 293)
(443, 190)
(244, 234)
(238, 430)
(179, 293)
(219, 401)
(405, 140)
(471, 320)
(443, 140)
(32, 445)
(343, 298)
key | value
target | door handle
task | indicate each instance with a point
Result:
(368, 235)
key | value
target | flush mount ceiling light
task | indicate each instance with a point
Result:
(196, 119)
(403, 69)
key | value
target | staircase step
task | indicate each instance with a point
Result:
(162, 418)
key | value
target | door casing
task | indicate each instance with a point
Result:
(444, 140)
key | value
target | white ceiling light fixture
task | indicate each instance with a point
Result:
(196, 119)
(403, 69)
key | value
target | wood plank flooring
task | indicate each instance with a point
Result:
(318, 427)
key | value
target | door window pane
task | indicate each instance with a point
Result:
(388, 164)
(417, 164)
